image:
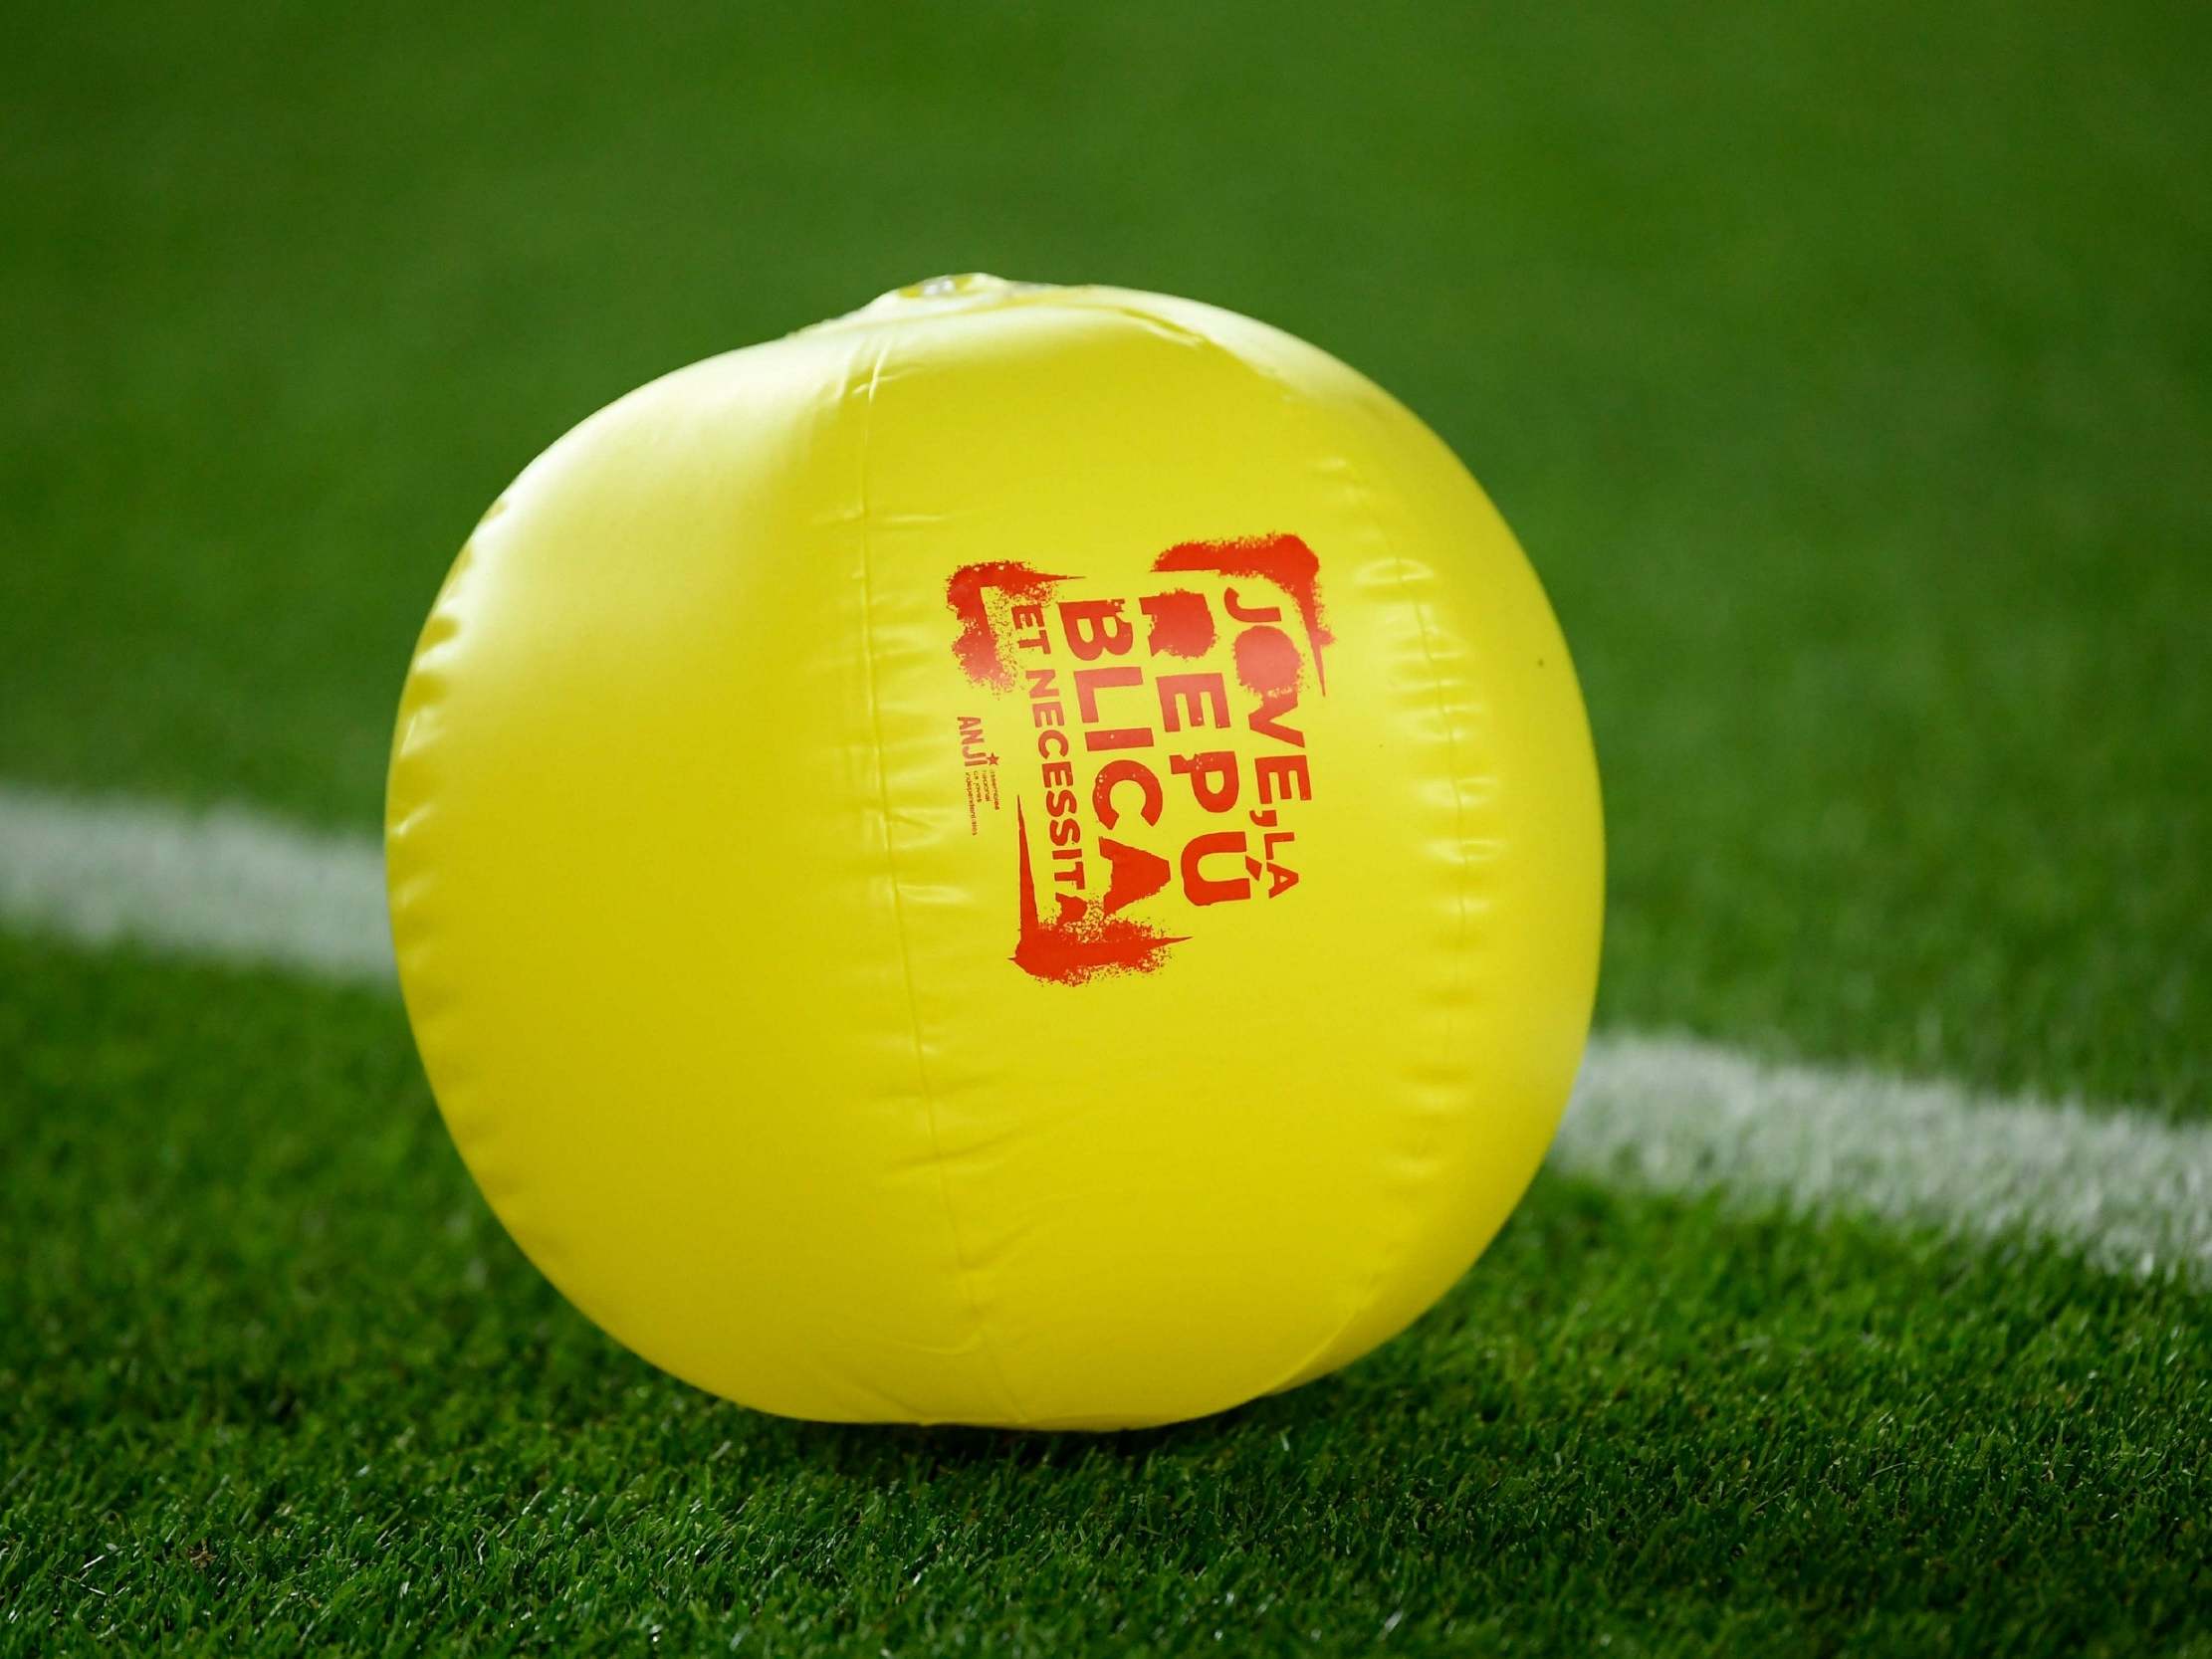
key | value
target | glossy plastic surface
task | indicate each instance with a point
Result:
(1026, 856)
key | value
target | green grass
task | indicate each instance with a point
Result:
(1846, 370)
(276, 1376)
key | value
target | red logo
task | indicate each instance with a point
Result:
(1158, 762)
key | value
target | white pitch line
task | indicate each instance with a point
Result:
(2130, 1193)
(1665, 1115)
(228, 884)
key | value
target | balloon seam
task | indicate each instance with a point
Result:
(963, 1274)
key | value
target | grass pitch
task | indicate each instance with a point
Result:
(1846, 371)
(278, 1379)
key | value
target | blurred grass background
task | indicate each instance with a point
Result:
(1846, 370)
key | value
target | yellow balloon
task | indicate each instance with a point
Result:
(1026, 856)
